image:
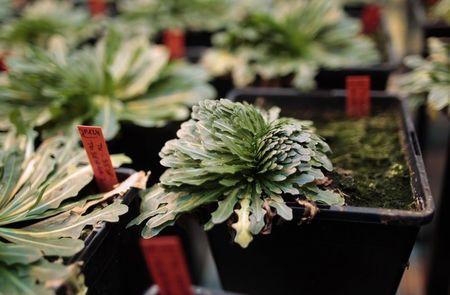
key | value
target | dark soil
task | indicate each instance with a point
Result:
(370, 168)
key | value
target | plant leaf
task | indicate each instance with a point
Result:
(242, 226)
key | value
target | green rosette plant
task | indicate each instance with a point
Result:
(244, 160)
(429, 81)
(293, 39)
(43, 19)
(41, 214)
(120, 79)
(193, 15)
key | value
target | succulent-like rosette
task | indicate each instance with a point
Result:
(121, 78)
(43, 19)
(242, 158)
(292, 39)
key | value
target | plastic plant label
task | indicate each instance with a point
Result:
(174, 40)
(98, 154)
(97, 7)
(167, 265)
(357, 96)
(371, 18)
(3, 66)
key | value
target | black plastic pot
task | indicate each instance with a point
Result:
(344, 250)
(100, 256)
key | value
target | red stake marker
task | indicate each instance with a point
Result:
(97, 7)
(3, 66)
(98, 154)
(167, 265)
(174, 40)
(371, 18)
(358, 96)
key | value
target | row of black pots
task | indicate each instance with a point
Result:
(348, 250)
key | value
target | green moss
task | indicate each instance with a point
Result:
(370, 165)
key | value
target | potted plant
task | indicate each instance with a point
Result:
(184, 26)
(226, 155)
(120, 79)
(47, 214)
(295, 44)
(37, 22)
(386, 201)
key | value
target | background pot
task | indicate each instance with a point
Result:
(344, 250)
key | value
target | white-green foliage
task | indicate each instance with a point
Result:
(293, 38)
(43, 19)
(181, 14)
(118, 79)
(41, 214)
(241, 158)
(6, 10)
(429, 80)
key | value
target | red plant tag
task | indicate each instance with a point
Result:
(98, 154)
(97, 7)
(3, 67)
(166, 262)
(358, 96)
(174, 40)
(371, 18)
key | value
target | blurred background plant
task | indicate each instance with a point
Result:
(429, 81)
(292, 39)
(117, 79)
(37, 22)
